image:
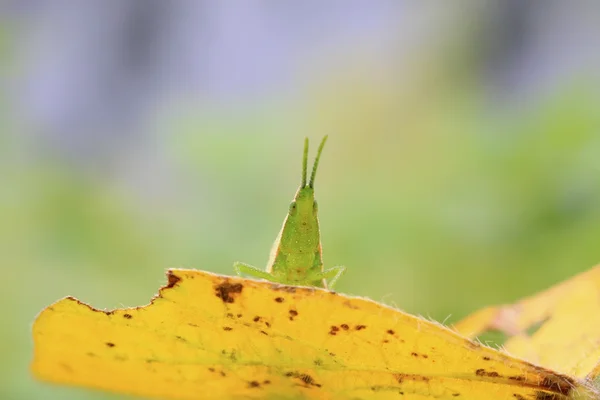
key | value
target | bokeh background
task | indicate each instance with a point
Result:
(462, 168)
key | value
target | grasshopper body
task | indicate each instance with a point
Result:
(296, 256)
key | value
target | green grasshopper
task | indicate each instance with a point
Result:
(296, 256)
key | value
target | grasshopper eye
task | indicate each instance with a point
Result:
(293, 207)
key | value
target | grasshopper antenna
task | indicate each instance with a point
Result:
(311, 184)
(304, 162)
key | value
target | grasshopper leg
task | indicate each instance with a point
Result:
(334, 273)
(243, 268)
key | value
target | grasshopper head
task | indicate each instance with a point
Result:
(304, 201)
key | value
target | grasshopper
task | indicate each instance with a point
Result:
(297, 256)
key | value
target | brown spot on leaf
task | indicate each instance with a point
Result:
(417, 378)
(227, 328)
(253, 384)
(264, 333)
(293, 313)
(333, 330)
(305, 378)
(486, 358)
(227, 291)
(345, 327)
(127, 316)
(110, 344)
(172, 279)
(266, 382)
(390, 331)
(360, 327)
(231, 355)
(284, 288)
(279, 299)
(548, 396)
(256, 319)
(483, 372)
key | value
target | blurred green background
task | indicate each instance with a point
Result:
(462, 168)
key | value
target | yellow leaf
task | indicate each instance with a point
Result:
(567, 318)
(207, 336)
